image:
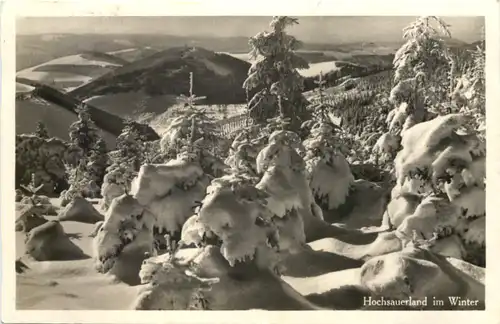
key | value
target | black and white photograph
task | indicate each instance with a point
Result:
(231, 163)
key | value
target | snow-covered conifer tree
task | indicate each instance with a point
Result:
(41, 130)
(98, 161)
(192, 135)
(329, 173)
(421, 66)
(83, 133)
(274, 76)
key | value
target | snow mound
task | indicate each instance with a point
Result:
(48, 242)
(80, 210)
(418, 274)
(450, 246)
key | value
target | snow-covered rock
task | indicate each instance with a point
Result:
(48, 242)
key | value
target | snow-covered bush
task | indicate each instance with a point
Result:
(469, 92)
(244, 150)
(284, 179)
(169, 191)
(34, 204)
(46, 158)
(386, 148)
(129, 147)
(274, 76)
(80, 184)
(235, 212)
(425, 53)
(116, 182)
(124, 239)
(445, 162)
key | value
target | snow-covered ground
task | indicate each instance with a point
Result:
(23, 88)
(134, 53)
(316, 68)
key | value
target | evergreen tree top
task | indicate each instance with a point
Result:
(41, 130)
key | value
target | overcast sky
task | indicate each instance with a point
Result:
(311, 29)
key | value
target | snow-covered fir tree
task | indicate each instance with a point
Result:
(129, 146)
(192, 135)
(41, 130)
(421, 76)
(329, 173)
(98, 161)
(274, 77)
(83, 133)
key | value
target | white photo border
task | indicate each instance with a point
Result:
(10, 9)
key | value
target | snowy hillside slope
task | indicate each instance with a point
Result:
(68, 72)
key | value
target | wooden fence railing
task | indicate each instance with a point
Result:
(230, 125)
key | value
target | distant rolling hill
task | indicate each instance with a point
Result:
(152, 84)
(69, 72)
